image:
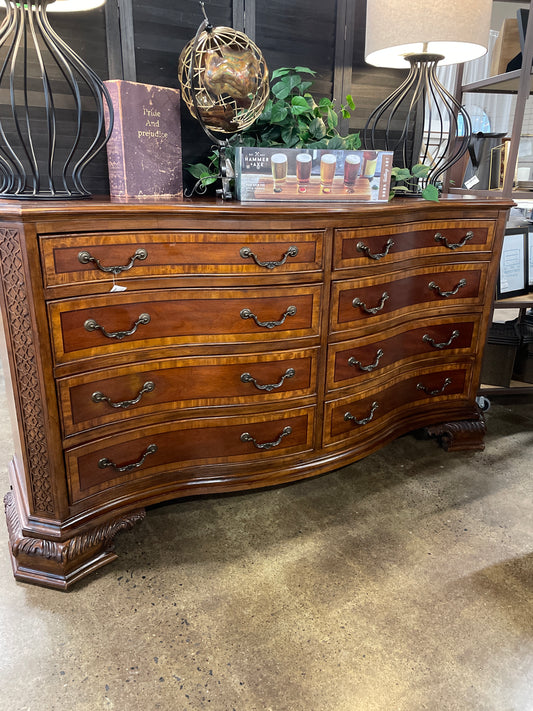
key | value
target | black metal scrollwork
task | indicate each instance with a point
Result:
(367, 368)
(104, 463)
(91, 325)
(350, 418)
(246, 253)
(248, 378)
(361, 247)
(357, 303)
(84, 257)
(246, 437)
(420, 386)
(148, 387)
(461, 283)
(246, 313)
(427, 339)
(441, 238)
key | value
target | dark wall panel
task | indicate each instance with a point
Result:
(161, 31)
(299, 33)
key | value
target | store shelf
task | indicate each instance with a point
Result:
(507, 83)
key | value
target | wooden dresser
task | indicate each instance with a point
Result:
(159, 350)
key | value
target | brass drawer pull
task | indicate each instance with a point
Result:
(246, 313)
(440, 346)
(441, 238)
(445, 294)
(361, 247)
(358, 303)
(84, 257)
(246, 253)
(105, 462)
(248, 378)
(447, 382)
(366, 368)
(148, 387)
(350, 418)
(245, 437)
(91, 325)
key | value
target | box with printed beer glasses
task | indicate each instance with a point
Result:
(294, 174)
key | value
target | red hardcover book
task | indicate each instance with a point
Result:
(144, 151)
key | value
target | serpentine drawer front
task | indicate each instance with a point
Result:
(390, 245)
(89, 258)
(161, 350)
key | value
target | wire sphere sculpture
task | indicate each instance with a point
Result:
(224, 79)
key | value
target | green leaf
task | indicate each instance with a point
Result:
(350, 101)
(304, 70)
(333, 119)
(430, 192)
(279, 113)
(208, 180)
(317, 128)
(299, 106)
(419, 170)
(353, 141)
(197, 170)
(336, 143)
(281, 89)
(290, 136)
(400, 173)
(305, 85)
(281, 72)
(400, 189)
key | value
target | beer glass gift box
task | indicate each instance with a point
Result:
(299, 174)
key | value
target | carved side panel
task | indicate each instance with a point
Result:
(26, 376)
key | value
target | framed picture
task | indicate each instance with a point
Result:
(513, 277)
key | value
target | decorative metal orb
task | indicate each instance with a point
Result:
(224, 79)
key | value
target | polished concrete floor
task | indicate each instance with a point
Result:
(401, 583)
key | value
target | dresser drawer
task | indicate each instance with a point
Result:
(112, 323)
(78, 259)
(358, 415)
(391, 244)
(170, 447)
(175, 384)
(358, 303)
(372, 356)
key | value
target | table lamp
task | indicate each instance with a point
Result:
(43, 81)
(421, 121)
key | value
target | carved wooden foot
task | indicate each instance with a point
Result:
(462, 435)
(59, 564)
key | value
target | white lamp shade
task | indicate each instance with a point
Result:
(456, 29)
(69, 5)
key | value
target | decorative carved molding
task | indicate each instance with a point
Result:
(461, 435)
(100, 537)
(19, 324)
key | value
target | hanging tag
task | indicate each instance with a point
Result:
(474, 180)
(116, 287)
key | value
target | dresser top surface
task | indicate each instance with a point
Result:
(45, 210)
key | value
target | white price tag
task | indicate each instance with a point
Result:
(474, 180)
(116, 287)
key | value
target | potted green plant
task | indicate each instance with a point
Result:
(291, 118)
